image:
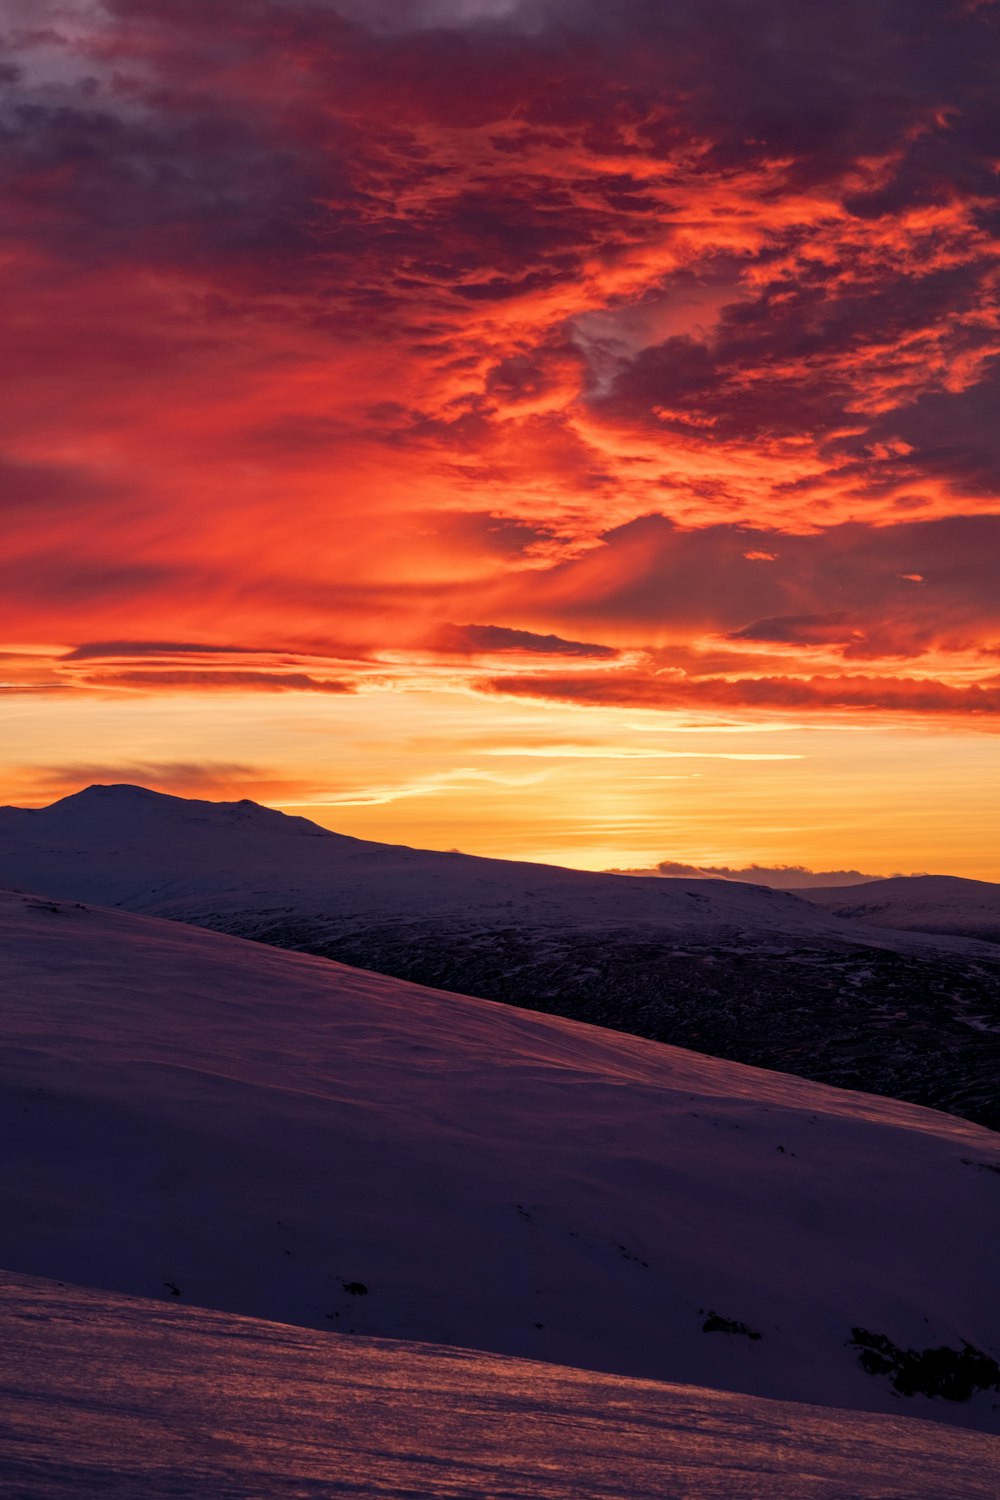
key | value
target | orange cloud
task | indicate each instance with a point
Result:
(659, 338)
(909, 695)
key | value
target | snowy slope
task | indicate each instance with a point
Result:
(742, 972)
(271, 1134)
(124, 1397)
(919, 903)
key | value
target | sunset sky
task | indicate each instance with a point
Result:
(559, 429)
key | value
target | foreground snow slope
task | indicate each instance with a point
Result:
(122, 1397)
(272, 1134)
(919, 903)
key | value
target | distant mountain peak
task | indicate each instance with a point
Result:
(116, 793)
(118, 790)
(121, 810)
(124, 793)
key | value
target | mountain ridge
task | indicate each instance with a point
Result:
(951, 905)
(86, 811)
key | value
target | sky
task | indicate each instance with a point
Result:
(551, 429)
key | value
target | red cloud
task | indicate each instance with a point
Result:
(469, 640)
(216, 681)
(909, 695)
(665, 327)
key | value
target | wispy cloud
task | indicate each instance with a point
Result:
(437, 784)
(103, 650)
(485, 640)
(893, 695)
(557, 751)
(220, 681)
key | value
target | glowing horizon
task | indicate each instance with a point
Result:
(510, 426)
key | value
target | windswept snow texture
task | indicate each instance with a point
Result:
(188, 1116)
(919, 903)
(738, 971)
(120, 1398)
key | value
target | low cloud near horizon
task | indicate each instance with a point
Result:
(779, 877)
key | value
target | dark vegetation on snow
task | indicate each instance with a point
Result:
(715, 1324)
(952, 1374)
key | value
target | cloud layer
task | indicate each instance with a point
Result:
(664, 338)
(780, 877)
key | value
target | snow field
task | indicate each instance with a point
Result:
(119, 1397)
(279, 1136)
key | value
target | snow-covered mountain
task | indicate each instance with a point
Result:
(919, 903)
(124, 1397)
(172, 856)
(195, 1118)
(739, 971)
